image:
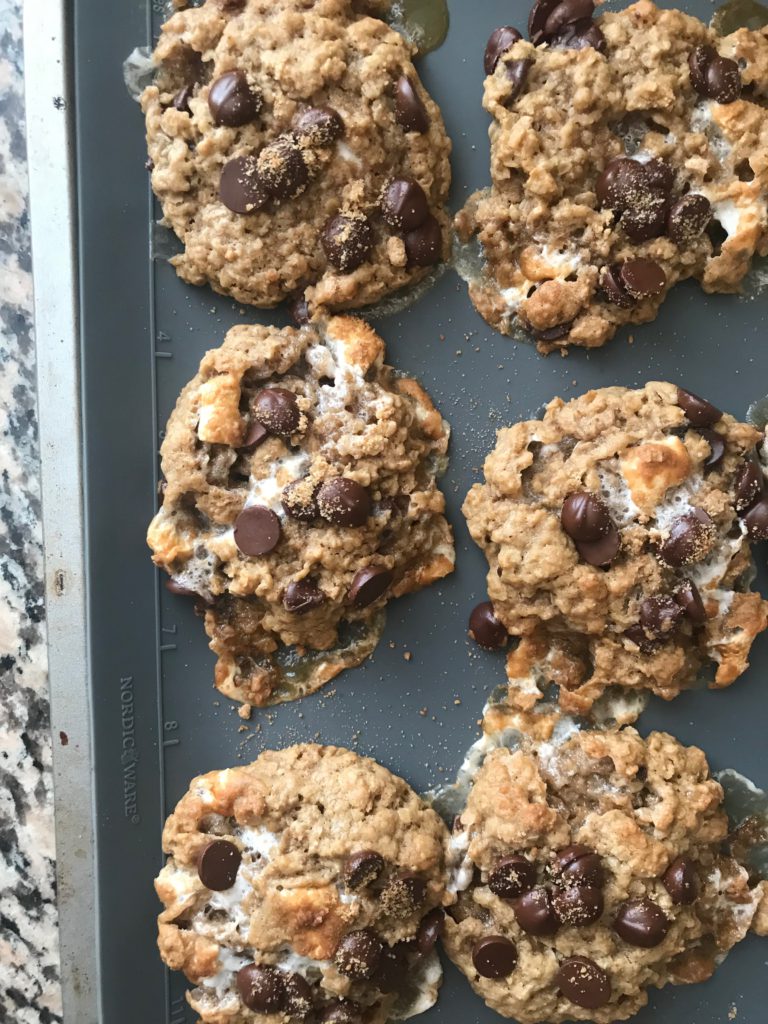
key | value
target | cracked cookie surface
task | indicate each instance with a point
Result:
(308, 885)
(619, 168)
(276, 130)
(594, 868)
(617, 530)
(300, 496)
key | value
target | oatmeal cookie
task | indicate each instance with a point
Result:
(617, 530)
(307, 885)
(300, 496)
(591, 870)
(295, 153)
(627, 153)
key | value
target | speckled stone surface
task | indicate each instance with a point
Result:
(29, 972)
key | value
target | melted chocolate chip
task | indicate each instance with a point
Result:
(578, 904)
(680, 882)
(429, 931)
(299, 500)
(580, 35)
(660, 615)
(583, 982)
(392, 971)
(690, 539)
(716, 444)
(424, 245)
(511, 877)
(537, 19)
(613, 287)
(579, 865)
(639, 637)
(566, 13)
(698, 61)
(410, 112)
(723, 80)
(240, 188)
(494, 956)
(277, 410)
(500, 40)
(485, 629)
(217, 864)
(347, 240)
(342, 1011)
(301, 597)
(517, 75)
(261, 988)
(748, 485)
(298, 996)
(535, 914)
(642, 278)
(322, 126)
(554, 333)
(585, 516)
(600, 552)
(362, 867)
(181, 100)
(640, 922)
(255, 435)
(344, 502)
(619, 182)
(369, 585)
(756, 520)
(282, 170)
(659, 174)
(257, 531)
(232, 101)
(404, 204)
(688, 218)
(403, 895)
(698, 411)
(688, 597)
(358, 954)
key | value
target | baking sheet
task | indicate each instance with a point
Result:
(156, 720)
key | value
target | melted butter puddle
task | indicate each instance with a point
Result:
(423, 22)
(739, 14)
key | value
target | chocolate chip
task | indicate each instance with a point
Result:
(688, 218)
(403, 895)
(232, 101)
(640, 922)
(255, 435)
(181, 100)
(579, 864)
(149, 164)
(179, 590)
(642, 278)
(619, 183)
(756, 520)
(410, 112)
(537, 19)
(217, 864)
(690, 539)
(638, 636)
(578, 904)
(277, 410)
(299, 500)
(404, 204)
(240, 188)
(583, 982)
(361, 868)
(659, 174)
(359, 954)
(485, 629)
(698, 411)
(699, 60)
(347, 241)
(554, 333)
(261, 988)
(369, 585)
(429, 931)
(613, 288)
(511, 877)
(585, 516)
(535, 914)
(298, 996)
(748, 485)
(257, 530)
(716, 444)
(392, 970)
(424, 245)
(499, 41)
(301, 597)
(600, 552)
(322, 126)
(680, 882)
(298, 307)
(688, 597)
(342, 1011)
(723, 80)
(566, 13)
(660, 615)
(344, 502)
(282, 170)
(494, 956)
(580, 35)
(517, 75)
(647, 218)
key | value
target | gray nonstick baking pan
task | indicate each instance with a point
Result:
(135, 714)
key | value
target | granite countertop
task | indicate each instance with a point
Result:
(29, 975)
